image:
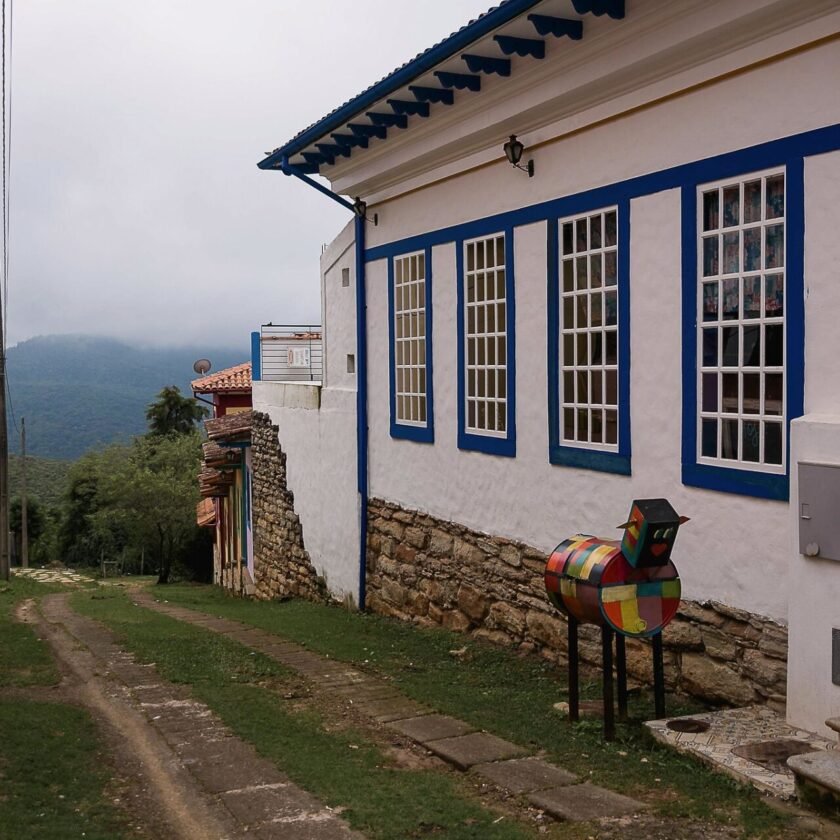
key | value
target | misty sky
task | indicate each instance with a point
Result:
(137, 209)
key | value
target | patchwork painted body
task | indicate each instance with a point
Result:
(591, 579)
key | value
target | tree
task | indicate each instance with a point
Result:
(149, 499)
(173, 413)
(34, 517)
(78, 542)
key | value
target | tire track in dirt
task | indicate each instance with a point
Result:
(197, 781)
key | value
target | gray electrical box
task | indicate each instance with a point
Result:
(835, 656)
(819, 510)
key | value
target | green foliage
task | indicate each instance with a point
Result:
(173, 414)
(149, 498)
(45, 479)
(80, 392)
(128, 500)
(35, 517)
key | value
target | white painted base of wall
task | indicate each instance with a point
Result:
(813, 591)
(317, 431)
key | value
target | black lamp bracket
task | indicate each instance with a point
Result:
(360, 209)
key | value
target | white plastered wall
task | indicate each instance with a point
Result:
(735, 549)
(317, 430)
(813, 584)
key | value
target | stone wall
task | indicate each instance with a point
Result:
(282, 568)
(432, 572)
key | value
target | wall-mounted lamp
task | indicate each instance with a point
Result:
(513, 152)
(360, 209)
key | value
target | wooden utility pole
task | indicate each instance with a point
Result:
(4, 463)
(5, 571)
(24, 523)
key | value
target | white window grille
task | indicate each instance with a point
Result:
(410, 367)
(485, 332)
(589, 345)
(741, 322)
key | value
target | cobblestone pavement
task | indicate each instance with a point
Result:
(205, 782)
(66, 577)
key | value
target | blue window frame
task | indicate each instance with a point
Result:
(410, 346)
(588, 301)
(743, 325)
(487, 344)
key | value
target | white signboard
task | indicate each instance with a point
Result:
(298, 357)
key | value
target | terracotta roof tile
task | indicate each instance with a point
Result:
(205, 513)
(235, 379)
(230, 427)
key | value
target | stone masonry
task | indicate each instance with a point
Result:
(282, 568)
(431, 572)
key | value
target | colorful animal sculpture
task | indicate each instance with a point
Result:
(632, 586)
(627, 587)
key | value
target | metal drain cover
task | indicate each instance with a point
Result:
(687, 725)
(774, 754)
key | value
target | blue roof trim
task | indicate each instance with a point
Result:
(362, 130)
(427, 94)
(410, 109)
(459, 81)
(523, 47)
(423, 63)
(486, 64)
(613, 8)
(395, 120)
(558, 27)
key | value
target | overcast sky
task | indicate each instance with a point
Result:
(137, 209)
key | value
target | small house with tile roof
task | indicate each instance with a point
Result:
(592, 257)
(226, 475)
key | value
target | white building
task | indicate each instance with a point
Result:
(645, 316)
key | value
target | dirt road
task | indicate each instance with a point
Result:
(187, 776)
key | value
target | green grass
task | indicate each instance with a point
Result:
(51, 775)
(511, 696)
(343, 768)
(24, 659)
(52, 779)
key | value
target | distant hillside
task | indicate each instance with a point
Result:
(45, 478)
(78, 392)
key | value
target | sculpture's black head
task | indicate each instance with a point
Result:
(650, 532)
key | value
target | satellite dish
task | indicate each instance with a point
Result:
(202, 366)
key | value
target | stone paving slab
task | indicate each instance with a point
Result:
(359, 692)
(525, 775)
(465, 751)
(323, 828)
(580, 803)
(431, 727)
(822, 768)
(216, 776)
(261, 803)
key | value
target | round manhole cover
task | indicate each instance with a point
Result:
(688, 725)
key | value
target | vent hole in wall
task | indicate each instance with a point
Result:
(351, 363)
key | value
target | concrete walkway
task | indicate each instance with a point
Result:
(500, 762)
(202, 782)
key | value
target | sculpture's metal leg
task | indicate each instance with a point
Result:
(658, 677)
(621, 675)
(574, 666)
(607, 655)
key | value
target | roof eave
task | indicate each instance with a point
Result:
(422, 64)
